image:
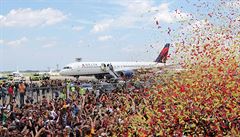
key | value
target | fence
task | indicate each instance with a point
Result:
(36, 93)
(49, 91)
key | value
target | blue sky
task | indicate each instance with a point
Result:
(38, 34)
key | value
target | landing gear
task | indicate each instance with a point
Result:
(77, 77)
(99, 76)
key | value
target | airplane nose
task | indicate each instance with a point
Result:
(62, 72)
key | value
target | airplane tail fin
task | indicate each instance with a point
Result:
(162, 57)
(17, 70)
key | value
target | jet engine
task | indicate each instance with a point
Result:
(126, 73)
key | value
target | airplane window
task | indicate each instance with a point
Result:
(67, 67)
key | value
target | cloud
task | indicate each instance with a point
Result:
(132, 49)
(105, 38)
(1, 41)
(46, 42)
(77, 28)
(140, 12)
(233, 4)
(128, 49)
(80, 42)
(169, 17)
(31, 18)
(14, 43)
(102, 25)
(50, 44)
(41, 38)
(196, 26)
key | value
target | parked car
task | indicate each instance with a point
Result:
(10, 77)
(87, 86)
(45, 76)
(3, 79)
(35, 77)
(105, 87)
(118, 83)
(116, 80)
(18, 79)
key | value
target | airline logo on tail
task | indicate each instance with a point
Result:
(162, 57)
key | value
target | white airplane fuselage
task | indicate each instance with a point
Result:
(93, 68)
(96, 68)
(17, 74)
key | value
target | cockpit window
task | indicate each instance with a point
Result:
(67, 67)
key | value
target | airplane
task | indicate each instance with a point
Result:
(113, 69)
(17, 76)
(53, 73)
(50, 73)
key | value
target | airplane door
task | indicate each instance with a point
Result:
(110, 67)
(103, 67)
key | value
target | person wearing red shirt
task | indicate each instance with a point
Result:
(10, 92)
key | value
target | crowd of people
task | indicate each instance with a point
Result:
(70, 112)
(167, 108)
(155, 108)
